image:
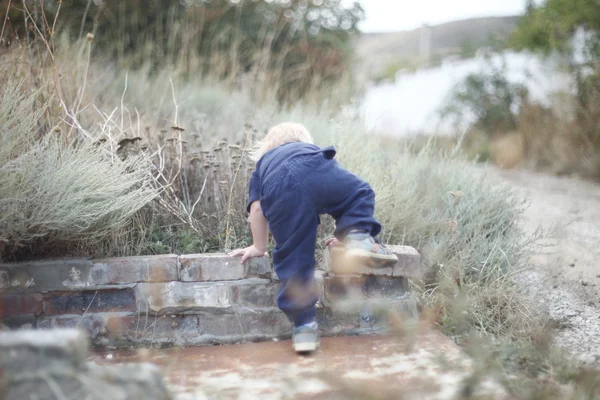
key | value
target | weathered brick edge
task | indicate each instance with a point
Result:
(190, 300)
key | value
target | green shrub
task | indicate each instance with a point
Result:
(489, 98)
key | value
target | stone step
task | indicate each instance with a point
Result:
(122, 272)
(193, 299)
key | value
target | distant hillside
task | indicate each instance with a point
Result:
(425, 44)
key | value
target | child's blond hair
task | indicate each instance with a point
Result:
(280, 134)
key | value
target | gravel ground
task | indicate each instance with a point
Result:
(565, 277)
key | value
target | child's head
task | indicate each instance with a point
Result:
(276, 136)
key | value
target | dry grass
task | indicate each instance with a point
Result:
(507, 151)
(55, 196)
(563, 143)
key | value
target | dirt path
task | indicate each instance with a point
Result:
(566, 272)
(344, 367)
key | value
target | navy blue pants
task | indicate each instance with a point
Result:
(293, 197)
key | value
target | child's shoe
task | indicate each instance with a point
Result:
(305, 338)
(364, 248)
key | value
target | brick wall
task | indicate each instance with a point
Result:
(194, 299)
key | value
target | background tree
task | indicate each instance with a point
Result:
(571, 28)
(298, 43)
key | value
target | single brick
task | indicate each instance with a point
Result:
(385, 287)
(164, 330)
(230, 328)
(254, 293)
(409, 261)
(266, 325)
(341, 288)
(176, 297)
(259, 268)
(408, 265)
(220, 326)
(381, 308)
(60, 303)
(126, 270)
(367, 315)
(220, 267)
(45, 276)
(334, 323)
(20, 304)
(20, 321)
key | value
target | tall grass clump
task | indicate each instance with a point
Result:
(56, 196)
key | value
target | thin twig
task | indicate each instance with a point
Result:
(50, 51)
(5, 19)
(85, 75)
(123, 97)
(138, 121)
(176, 122)
(199, 195)
(230, 200)
(86, 310)
(87, 8)
(44, 19)
(42, 37)
(29, 49)
(54, 22)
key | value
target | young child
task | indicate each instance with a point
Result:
(294, 182)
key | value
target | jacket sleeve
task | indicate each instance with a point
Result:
(254, 189)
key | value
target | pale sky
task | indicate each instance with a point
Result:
(400, 15)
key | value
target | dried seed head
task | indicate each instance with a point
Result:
(234, 147)
(90, 37)
(457, 194)
(452, 225)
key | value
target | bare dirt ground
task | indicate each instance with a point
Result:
(431, 367)
(565, 273)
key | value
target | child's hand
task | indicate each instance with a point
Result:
(248, 252)
(332, 242)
